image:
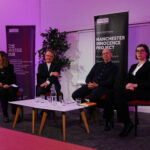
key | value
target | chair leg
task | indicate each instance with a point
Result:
(136, 119)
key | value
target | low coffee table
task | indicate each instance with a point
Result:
(46, 106)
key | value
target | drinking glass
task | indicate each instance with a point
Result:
(78, 101)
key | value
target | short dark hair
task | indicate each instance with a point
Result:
(146, 48)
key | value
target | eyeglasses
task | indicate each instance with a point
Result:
(140, 51)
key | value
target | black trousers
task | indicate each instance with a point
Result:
(95, 95)
(8, 94)
(42, 90)
(124, 97)
(109, 104)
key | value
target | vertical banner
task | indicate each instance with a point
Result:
(111, 32)
(21, 53)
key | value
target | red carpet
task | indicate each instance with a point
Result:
(14, 140)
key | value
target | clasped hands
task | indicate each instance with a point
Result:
(45, 84)
(92, 85)
(131, 86)
(4, 86)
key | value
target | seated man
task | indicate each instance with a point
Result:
(99, 80)
(48, 74)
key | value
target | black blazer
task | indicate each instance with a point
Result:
(44, 73)
(142, 77)
(7, 75)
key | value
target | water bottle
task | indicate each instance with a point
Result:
(53, 94)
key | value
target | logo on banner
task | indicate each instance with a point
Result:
(13, 30)
(103, 21)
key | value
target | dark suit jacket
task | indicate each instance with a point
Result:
(7, 75)
(142, 77)
(44, 73)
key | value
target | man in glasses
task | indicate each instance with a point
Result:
(99, 80)
(48, 74)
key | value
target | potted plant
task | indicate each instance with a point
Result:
(56, 41)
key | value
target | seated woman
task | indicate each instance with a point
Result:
(7, 91)
(137, 86)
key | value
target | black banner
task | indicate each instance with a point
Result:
(21, 53)
(111, 32)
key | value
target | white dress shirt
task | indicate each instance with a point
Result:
(48, 66)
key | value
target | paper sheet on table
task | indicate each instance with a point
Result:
(14, 85)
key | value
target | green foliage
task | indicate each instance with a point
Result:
(56, 41)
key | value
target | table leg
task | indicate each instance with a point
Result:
(16, 117)
(33, 120)
(64, 125)
(85, 121)
(42, 122)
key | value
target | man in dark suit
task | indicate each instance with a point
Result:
(98, 82)
(48, 74)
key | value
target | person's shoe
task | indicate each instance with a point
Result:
(109, 125)
(126, 130)
(6, 119)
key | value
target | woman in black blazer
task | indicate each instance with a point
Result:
(137, 86)
(7, 79)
